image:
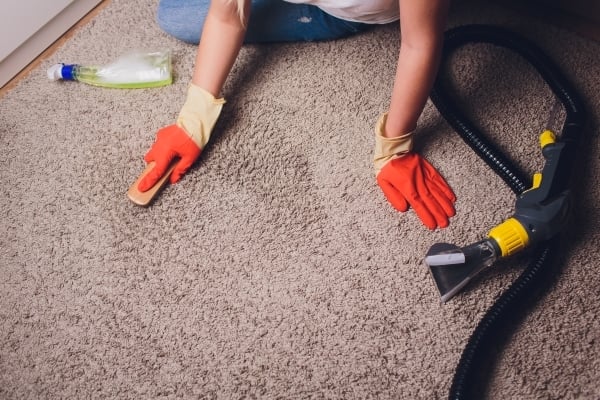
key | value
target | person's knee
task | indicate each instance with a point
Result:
(182, 19)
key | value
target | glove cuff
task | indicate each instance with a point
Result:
(387, 149)
(199, 114)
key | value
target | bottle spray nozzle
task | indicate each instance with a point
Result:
(55, 72)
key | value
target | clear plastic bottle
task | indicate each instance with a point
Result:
(130, 71)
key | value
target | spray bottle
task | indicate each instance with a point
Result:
(130, 71)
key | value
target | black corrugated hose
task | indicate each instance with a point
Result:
(475, 362)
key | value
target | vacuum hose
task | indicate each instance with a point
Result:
(475, 356)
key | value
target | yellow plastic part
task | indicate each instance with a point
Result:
(511, 237)
(537, 180)
(547, 137)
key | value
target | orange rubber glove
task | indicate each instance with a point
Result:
(406, 179)
(185, 139)
(171, 142)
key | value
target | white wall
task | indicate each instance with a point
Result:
(28, 27)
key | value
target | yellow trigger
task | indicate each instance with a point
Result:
(537, 180)
(547, 137)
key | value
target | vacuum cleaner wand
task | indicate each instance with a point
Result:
(540, 213)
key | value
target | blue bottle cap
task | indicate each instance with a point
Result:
(68, 72)
(62, 71)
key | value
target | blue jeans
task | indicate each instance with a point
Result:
(270, 21)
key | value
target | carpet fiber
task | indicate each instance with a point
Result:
(275, 268)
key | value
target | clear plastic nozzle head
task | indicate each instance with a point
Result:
(452, 267)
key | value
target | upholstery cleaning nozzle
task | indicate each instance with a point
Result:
(452, 267)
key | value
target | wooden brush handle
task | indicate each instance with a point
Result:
(145, 198)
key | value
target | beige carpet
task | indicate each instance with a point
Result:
(276, 269)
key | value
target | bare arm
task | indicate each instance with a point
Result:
(422, 25)
(220, 43)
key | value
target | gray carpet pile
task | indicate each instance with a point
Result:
(276, 269)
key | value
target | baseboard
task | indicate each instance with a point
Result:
(29, 51)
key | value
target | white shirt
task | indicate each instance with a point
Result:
(365, 11)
